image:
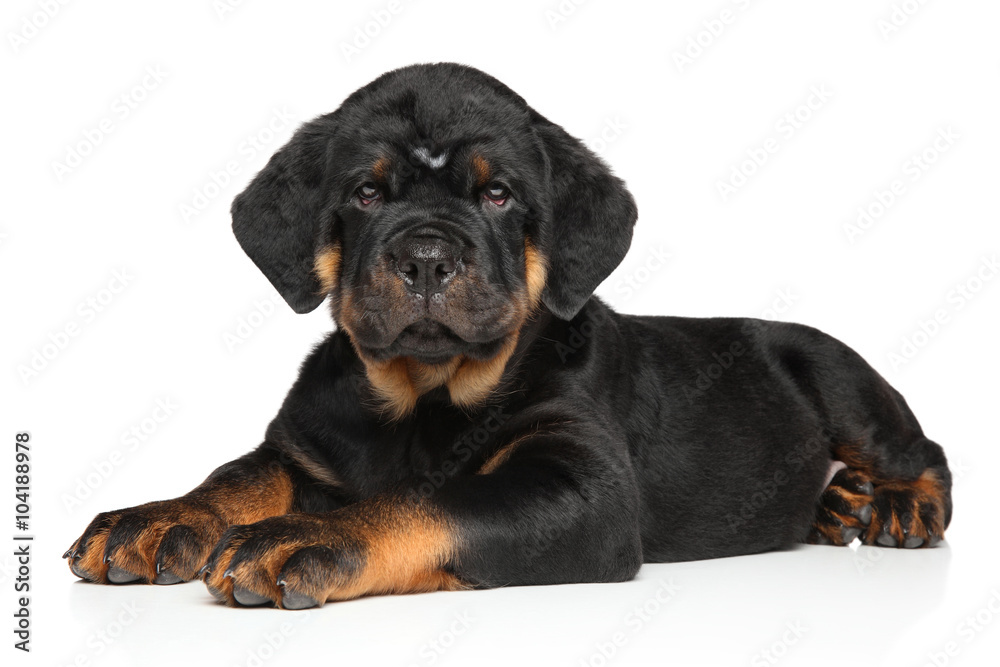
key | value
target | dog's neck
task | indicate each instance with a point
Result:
(400, 382)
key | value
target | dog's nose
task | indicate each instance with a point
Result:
(427, 264)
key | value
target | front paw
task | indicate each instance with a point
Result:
(293, 561)
(163, 542)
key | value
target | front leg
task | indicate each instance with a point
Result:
(385, 544)
(168, 541)
(545, 509)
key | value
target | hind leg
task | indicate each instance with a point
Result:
(910, 508)
(873, 432)
(901, 500)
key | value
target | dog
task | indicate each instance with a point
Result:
(478, 418)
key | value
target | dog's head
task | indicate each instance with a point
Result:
(438, 210)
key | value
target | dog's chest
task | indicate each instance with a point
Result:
(443, 445)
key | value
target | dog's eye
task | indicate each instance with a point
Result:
(368, 193)
(496, 193)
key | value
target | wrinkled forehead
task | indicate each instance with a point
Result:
(434, 130)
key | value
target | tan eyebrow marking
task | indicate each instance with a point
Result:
(481, 168)
(381, 169)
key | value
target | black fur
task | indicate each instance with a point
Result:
(277, 220)
(639, 438)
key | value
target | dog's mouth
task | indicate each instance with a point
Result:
(432, 342)
(470, 319)
(429, 341)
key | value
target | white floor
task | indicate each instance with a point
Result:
(811, 606)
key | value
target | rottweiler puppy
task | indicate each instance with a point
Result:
(478, 418)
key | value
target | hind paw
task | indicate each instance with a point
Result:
(891, 513)
(908, 514)
(845, 509)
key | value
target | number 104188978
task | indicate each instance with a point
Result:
(22, 480)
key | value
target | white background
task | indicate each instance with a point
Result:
(608, 71)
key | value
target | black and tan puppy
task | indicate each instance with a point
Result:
(478, 419)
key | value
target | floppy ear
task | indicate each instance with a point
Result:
(277, 218)
(592, 215)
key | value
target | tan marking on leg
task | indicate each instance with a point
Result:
(406, 548)
(311, 466)
(390, 546)
(501, 455)
(270, 496)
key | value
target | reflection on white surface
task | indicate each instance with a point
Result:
(813, 605)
